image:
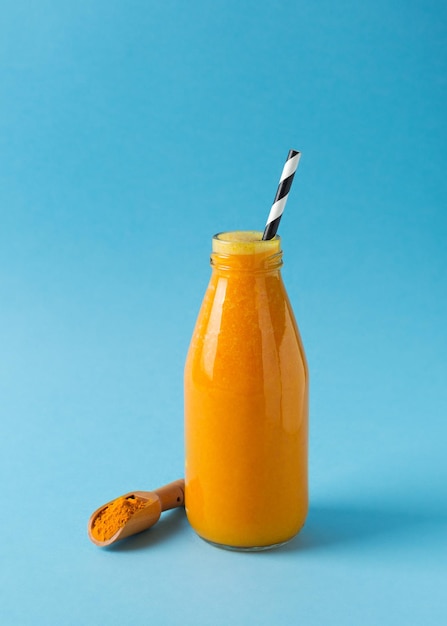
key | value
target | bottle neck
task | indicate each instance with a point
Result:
(245, 251)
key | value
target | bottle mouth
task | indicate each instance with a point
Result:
(245, 242)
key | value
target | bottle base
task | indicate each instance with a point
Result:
(223, 546)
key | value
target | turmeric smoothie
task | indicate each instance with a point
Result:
(246, 402)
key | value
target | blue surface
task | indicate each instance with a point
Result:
(129, 134)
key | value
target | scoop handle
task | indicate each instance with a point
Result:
(171, 495)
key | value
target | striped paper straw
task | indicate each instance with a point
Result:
(282, 193)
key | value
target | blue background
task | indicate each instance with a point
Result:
(130, 132)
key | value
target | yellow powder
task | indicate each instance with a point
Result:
(114, 516)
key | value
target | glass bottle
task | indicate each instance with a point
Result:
(246, 402)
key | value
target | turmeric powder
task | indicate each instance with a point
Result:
(115, 515)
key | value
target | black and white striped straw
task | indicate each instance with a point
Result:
(282, 193)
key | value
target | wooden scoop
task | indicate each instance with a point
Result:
(167, 497)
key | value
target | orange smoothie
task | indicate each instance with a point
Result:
(246, 402)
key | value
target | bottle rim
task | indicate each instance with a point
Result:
(243, 242)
